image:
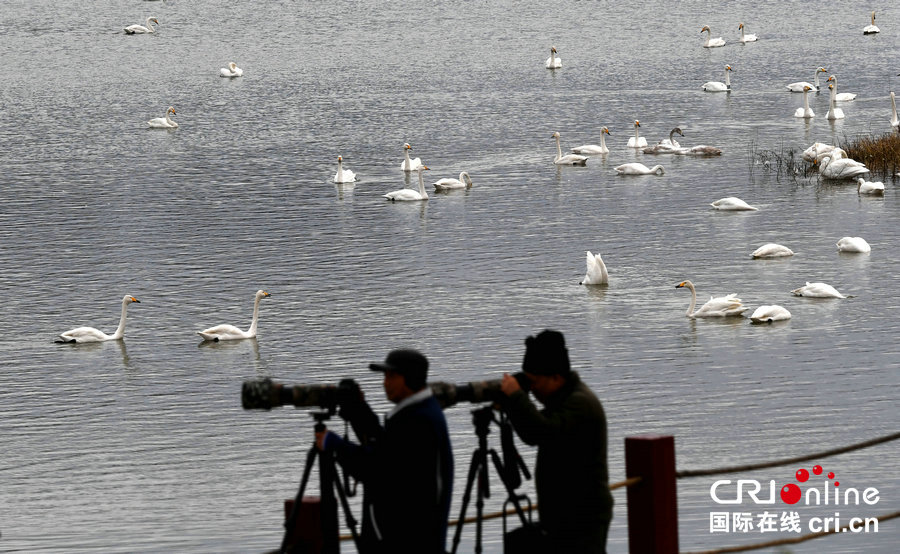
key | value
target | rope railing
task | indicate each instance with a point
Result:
(787, 461)
(791, 540)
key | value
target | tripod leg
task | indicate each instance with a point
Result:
(510, 491)
(348, 514)
(470, 480)
(291, 520)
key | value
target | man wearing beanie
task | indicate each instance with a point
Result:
(406, 467)
(571, 475)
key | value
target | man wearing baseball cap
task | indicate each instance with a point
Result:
(571, 474)
(406, 467)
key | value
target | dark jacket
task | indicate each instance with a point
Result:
(407, 472)
(571, 475)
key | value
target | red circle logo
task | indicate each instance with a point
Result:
(790, 493)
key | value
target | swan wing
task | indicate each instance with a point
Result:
(84, 334)
(571, 159)
(721, 306)
(768, 314)
(223, 332)
(853, 244)
(714, 86)
(403, 195)
(596, 271)
(800, 85)
(588, 149)
(772, 250)
(817, 290)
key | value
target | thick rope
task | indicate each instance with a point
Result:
(792, 540)
(788, 461)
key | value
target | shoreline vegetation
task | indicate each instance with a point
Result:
(881, 154)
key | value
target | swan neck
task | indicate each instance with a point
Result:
(120, 330)
(255, 320)
(893, 107)
(422, 185)
(690, 310)
(728, 78)
(805, 100)
(149, 25)
(636, 135)
(558, 149)
(407, 160)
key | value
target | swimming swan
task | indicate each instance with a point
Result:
(805, 111)
(699, 150)
(871, 29)
(768, 314)
(343, 175)
(895, 122)
(89, 334)
(635, 168)
(553, 62)
(407, 164)
(231, 71)
(746, 38)
(732, 203)
(164, 122)
(711, 42)
(717, 86)
(772, 250)
(833, 111)
(817, 290)
(834, 167)
(841, 96)
(853, 244)
(141, 29)
(230, 332)
(409, 195)
(721, 306)
(666, 145)
(593, 149)
(814, 86)
(869, 187)
(596, 271)
(568, 159)
(464, 182)
(637, 141)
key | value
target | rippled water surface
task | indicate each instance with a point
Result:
(142, 445)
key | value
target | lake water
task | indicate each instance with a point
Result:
(142, 445)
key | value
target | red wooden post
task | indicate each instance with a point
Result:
(652, 505)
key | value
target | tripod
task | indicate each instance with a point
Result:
(327, 485)
(482, 419)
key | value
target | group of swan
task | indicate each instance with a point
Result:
(553, 62)
(230, 332)
(871, 29)
(568, 159)
(672, 146)
(594, 149)
(717, 86)
(409, 195)
(840, 96)
(90, 334)
(231, 71)
(801, 85)
(731, 306)
(835, 165)
(164, 122)
(732, 203)
(217, 333)
(853, 244)
(142, 29)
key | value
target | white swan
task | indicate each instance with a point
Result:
(770, 313)
(666, 145)
(593, 149)
(568, 159)
(635, 168)
(814, 86)
(717, 86)
(833, 111)
(853, 244)
(834, 167)
(637, 141)
(89, 334)
(409, 195)
(141, 29)
(711, 42)
(817, 151)
(407, 164)
(895, 121)
(596, 271)
(230, 332)
(840, 96)
(748, 37)
(721, 306)
(732, 203)
(164, 122)
(772, 250)
(343, 175)
(871, 29)
(869, 187)
(805, 111)
(447, 183)
(553, 62)
(231, 71)
(817, 290)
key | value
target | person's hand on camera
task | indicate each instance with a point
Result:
(509, 384)
(352, 399)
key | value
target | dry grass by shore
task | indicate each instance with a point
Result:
(880, 154)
